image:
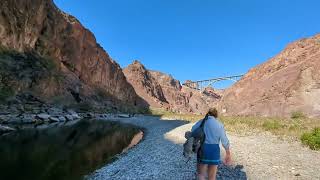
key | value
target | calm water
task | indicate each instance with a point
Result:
(65, 152)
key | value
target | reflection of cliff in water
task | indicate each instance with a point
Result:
(66, 152)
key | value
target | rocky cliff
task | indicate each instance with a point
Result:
(287, 83)
(163, 91)
(145, 85)
(71, 67)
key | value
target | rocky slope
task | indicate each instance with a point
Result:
(287, 83)
(163, 91)
(52, 56)
(145, 84)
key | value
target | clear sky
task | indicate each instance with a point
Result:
(196, 39)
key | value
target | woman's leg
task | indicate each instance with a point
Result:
(212, 172)
(202, 170)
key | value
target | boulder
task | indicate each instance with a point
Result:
(43, 116)
(27, 118)
(3, 110)
(14, 119)
(5, 129)
(73, 114)
(3, 119)
(89, 115)
(69, 117)
(13, 110)
(124, 115)
(54, 119)
(54, 111)
(62, 119)
(36, 110)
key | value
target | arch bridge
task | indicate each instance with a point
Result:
(202, 84)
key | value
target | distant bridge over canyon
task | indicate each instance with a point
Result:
(202, 84)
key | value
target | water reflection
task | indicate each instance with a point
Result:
(65, 152)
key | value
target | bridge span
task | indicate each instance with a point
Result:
(202, 84)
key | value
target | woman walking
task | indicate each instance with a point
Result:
(208, 156)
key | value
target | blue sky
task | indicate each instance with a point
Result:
(196, 39)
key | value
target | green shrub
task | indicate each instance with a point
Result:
(49, 64)
(271, 125)
(85, 107)
(312, 139)
(6, 92)
(298, 115)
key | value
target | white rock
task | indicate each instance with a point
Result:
(75, 116)
(124, 115)
(43, 116)
(69, 117)
(4, 129)
(62, 119)
(54, 119)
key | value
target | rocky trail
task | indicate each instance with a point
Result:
(159, 156)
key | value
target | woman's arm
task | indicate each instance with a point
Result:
(226, 144)
(224, 139)
(227, 159)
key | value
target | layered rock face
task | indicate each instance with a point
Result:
(39, 28)
(163, 91)
(287, 83)
(145, 84)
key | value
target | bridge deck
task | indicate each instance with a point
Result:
(202, 84)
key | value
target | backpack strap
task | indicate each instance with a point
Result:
(202, 127)
(203, 121)
(200, 152)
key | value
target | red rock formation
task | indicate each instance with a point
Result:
(287, 83)
(163, 91)
(145, 85)
(38, 26)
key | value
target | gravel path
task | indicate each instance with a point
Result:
(159, 156)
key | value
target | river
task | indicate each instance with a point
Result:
(62, 151)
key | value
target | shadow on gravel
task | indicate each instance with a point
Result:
(231, 172)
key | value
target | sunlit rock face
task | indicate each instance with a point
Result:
(39, 29)
(161, 90)
(287, 83)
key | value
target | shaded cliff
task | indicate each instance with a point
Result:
(287, 83)
(73, 67)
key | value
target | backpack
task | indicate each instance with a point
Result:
(195, 140)
(198, 133)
